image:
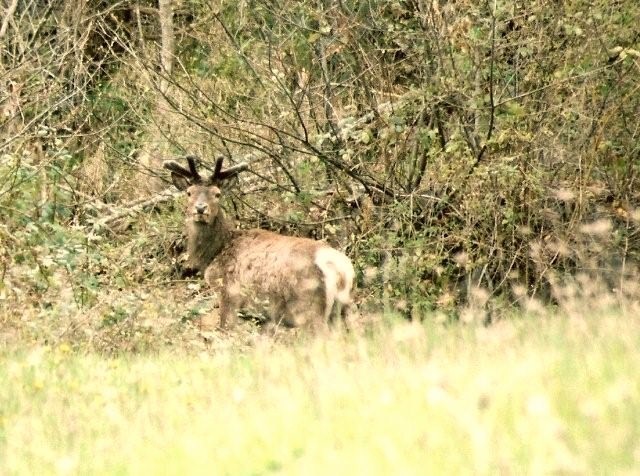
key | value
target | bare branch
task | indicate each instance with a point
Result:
(7, 17)
(133, 210)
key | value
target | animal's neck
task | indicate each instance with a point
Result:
(205, 241)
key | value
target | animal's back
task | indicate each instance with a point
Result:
(292, 279)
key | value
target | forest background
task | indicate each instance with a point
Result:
(478, 161)
(464, 154)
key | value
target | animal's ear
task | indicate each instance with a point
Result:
(181, 183)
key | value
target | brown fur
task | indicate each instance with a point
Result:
(260, 271)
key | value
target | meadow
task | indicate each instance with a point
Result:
(477, 161)
(538, 394)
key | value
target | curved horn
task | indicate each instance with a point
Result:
(219, 175)
(192, 160)
(176, 168)
(182, 177)
(218, 168)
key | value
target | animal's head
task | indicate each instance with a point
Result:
(203, 194)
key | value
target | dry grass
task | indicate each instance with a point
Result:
(552, 394)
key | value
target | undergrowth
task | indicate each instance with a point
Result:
(529, 395)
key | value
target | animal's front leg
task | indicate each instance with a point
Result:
(229, 307)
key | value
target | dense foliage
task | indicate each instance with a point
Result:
(458, 151)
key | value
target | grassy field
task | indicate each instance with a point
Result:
(524, 396)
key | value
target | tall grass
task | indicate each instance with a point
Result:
(525, 396)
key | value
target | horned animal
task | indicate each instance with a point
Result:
(290, 280)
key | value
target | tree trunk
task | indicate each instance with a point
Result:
(151, 158)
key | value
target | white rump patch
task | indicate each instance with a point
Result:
(338, 276)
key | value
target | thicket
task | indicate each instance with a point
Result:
(456, 150)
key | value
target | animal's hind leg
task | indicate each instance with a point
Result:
(345, 312)
(339, 315)
(306, 311)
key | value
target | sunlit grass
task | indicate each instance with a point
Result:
(525, 396)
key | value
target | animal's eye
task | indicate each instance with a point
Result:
(217, 194)
(188, 193)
